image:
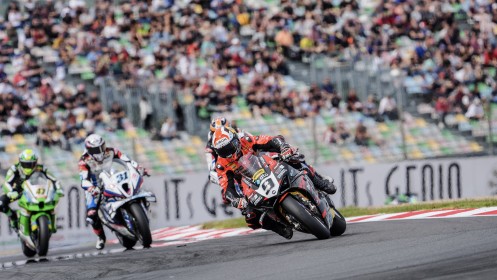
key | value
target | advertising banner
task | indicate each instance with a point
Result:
(371, 184)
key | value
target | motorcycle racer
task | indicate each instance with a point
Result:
(16, 175)
(210, 155)
(229, 146)
(96, 158)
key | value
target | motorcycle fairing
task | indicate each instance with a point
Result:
(111, 207)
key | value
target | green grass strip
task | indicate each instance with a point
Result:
(361, 211)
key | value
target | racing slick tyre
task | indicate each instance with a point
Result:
(303, 215)
(339, 224)
(43, 236)
(141, 224)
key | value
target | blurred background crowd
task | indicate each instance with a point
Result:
(229, 51)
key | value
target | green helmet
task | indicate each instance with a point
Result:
(27, 161)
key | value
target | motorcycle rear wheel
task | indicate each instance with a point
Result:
(305, 218)
(142, 227)
(43, 236)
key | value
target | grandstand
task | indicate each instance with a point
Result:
(158, 58)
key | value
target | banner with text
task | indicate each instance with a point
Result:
(371, 184)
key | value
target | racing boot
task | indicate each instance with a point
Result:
(100, 242)
(324, 184)
(14, 222)
(279, 228)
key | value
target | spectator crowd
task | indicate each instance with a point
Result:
(229, 51)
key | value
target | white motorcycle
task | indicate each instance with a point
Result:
(124, 205)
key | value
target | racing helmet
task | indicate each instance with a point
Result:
(28, 160)
(95, 147)
(226, 143)
(217, 123)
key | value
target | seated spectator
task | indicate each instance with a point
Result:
(95, 109)
(146, 112)
(168, 130)
(15, 123)
(361, 135)
(442, 107)
(371, 108)
(475, 110)
(48, 134)
(388, 108)
(70, 132)
(353, 102)
(117, 116)
(335, 102)
(327, 86)
(342, 132)
(330, 135)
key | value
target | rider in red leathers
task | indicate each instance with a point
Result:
(229, 147)
(210, 155)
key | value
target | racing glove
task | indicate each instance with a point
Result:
(94, 191)
(287, 152)
(13, 195)
(240, 203)
(145, 172)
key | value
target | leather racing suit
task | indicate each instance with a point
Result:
(229, 177)
(89, 170)
(13, 182)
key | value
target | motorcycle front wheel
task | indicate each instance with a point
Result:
(305, 218)
(126, 242)
(43, 236)
(339, 224)
(142, 227)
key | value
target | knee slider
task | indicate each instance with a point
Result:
(91, 216)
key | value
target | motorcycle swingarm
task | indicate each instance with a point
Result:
(322, 204)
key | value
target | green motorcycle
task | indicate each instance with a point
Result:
(37, 214)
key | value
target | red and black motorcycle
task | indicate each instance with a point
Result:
(288, 196)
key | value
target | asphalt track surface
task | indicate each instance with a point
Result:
(456, 248)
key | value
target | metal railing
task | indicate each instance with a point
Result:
(163, 96)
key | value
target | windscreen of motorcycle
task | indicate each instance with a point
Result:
(38, 187)
(263, 180)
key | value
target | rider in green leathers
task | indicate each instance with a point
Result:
(16, 175)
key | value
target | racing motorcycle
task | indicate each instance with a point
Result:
(124, 205)
(37, 220)
(287, 195)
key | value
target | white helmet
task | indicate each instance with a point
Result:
(95, 146)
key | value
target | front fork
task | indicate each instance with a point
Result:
(28, 221)
(127, 217)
